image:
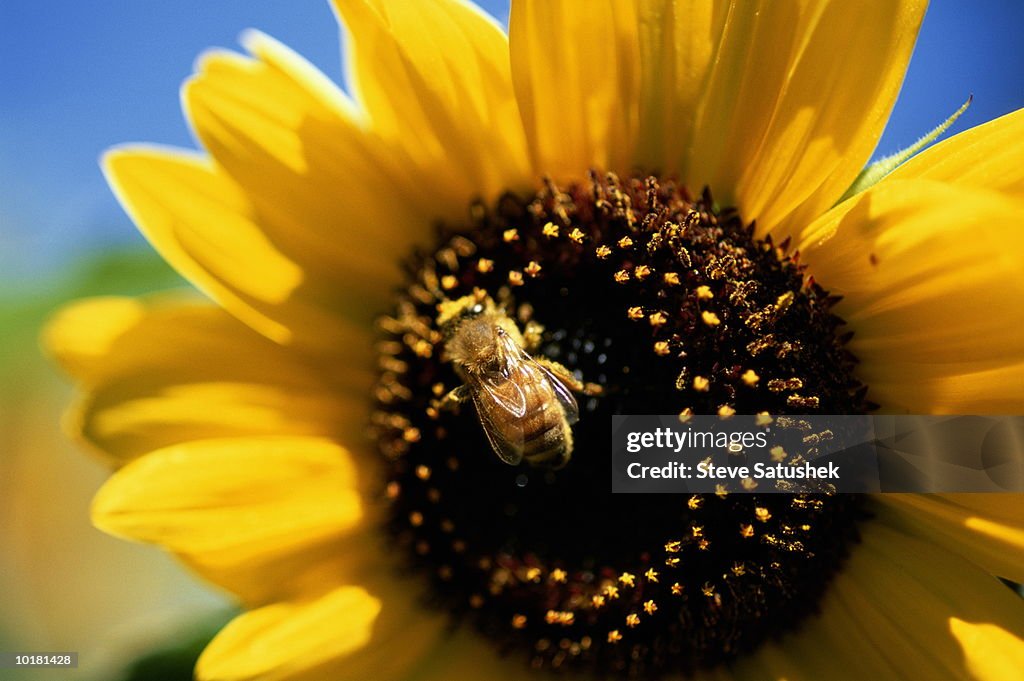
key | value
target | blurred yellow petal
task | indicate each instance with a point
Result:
(991, 652)
(920, 588)
(301, 571)
(988, 156)
(251, 496)
(162, 371)
(994, 541)
(834, 644)
(796, 99)
(890, 613)
(81, 335)
(577, 78)
(1002, 508)
(376, 631)
(892, 605)
(434, 79)
(826, 647)
(931, 273)
(128, 418)
(314, 177)
(283, 640)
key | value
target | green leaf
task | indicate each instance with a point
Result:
(177, 660)
(879, 169)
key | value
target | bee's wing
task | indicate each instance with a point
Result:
(501, 404)
(565, 397)
(504, 391)
(507, 437)
(525, 366)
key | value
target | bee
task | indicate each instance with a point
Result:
(524, 403)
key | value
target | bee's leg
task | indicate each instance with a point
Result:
(532, 333)
(454, 398)
(566, 376)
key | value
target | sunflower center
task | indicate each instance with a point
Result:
(662, 303)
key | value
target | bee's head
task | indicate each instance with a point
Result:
(476, 332)
(451, 314)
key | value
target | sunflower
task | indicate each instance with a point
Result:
(651, 192)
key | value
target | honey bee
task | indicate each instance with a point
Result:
(524, 403)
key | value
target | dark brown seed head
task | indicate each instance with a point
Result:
(671, 305)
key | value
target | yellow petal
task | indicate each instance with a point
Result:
(889, 614)
(993, 540)
(330, 195)
(796, 98)
(835, 643)
(912, 589)
(434, 80)
(81, 335)
(269, 577)
(991, 652)
(1002, 508)
(988, 156)
(931, 273)
(284, 640)
(253, 497)
(377, 631)
(577, 78)
(677, 42)
(162, 371)
(199, 223)
(826, 647)
(127, 418)
(205, 226)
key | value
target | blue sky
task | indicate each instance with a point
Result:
(78, 77)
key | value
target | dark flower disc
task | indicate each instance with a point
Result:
(670, 305)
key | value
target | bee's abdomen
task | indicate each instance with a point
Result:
(547, 437)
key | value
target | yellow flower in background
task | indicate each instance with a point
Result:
(560, 169)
